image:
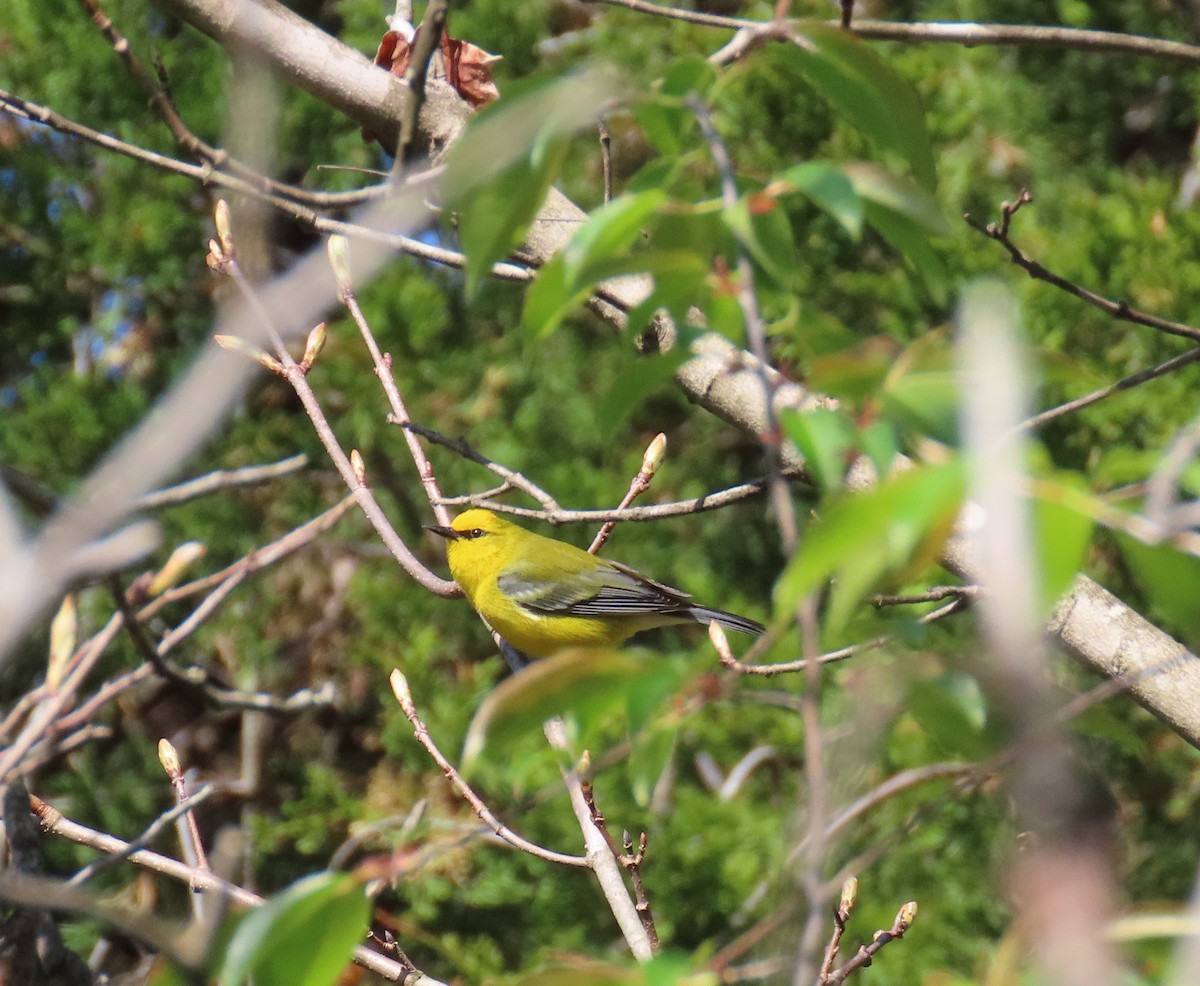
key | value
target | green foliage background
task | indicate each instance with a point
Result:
(98, 246)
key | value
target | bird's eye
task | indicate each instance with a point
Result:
(475, 532)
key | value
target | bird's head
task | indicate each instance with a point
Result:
(477, 542)
(473, 525)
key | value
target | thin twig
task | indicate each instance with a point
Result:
(221, 479)
(304, 215)
(936, 594)
(421, 732)
(149, 834)
(840, 916)
(54, 822)
(784, 511)
(46, 715)
(161, 102)
(677, 508)
(189, 832)
(464, 449)
(600, 857)
(1125, 383)
(866, 953)
(1119, 310)
(605, 157)
(355, 482)
(651, 461)
(968, 34)
(829, 657)
(383, 370)
(630, 860)
(425, 43)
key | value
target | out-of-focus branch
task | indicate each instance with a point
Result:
(421, 732)
(53, 821)
(721, 378)
(968, 34)
(221, 479)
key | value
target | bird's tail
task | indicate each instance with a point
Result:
(731, 621)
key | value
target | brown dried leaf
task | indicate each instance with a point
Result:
(469, 70)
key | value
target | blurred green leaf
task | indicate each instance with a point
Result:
(499, 170)
(879, 442)
(861, 86)
(897, 194)
(610, 231)
(304, 936)
(566, 279)
(507, 132)
(665, 124)
(825, 437)
(906, 216)
(827, 187)
(857, 373)
(583, 684)
(763, 228)
(1062, 532)
(493, 217)
(951, 712)
(167, 974)
(1170, 579)
(863, 536)
(652, 751)
(637, 382)
(688, 74)
(926, 401)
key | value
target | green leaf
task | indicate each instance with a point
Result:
(855, 374)
(910, 241)
(168, 974)
(864, 536)
(665, 124)
(1170, 579)
(499, 170)
(766, 235)
(583, 684)
(610, 231)
(861, 86)
(829, 189)
(878, 441)
(652, 751)
(688, 74)
(679, 280)
(493, 218)
(301, 937)
(549, 298)
(646, 375)
(905, 215)
(926, 400)
(1063, 534)
(506, 133)
(951, 712)
(825, 438)
(567, 278)
(898, 194)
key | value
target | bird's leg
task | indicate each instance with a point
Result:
(516, 659)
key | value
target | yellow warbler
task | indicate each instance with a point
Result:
(542, 595)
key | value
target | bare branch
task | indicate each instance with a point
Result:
(221, 479)
(421, 732)
(967, 34)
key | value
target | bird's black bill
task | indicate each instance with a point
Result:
(449, 533)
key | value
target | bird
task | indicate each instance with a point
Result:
(543, 595)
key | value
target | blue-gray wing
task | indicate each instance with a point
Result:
(608, 590)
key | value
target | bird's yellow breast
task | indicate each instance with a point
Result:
(538, 634)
